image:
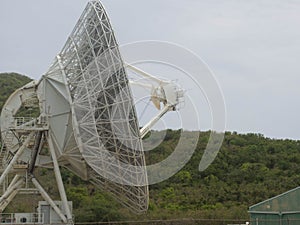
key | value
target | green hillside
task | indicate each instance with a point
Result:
(248, 169)
(9, 82)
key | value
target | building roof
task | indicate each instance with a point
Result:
(286, 202)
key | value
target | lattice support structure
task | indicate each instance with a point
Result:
(88, 116)
(95, 100)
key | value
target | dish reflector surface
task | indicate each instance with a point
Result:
(90, 82)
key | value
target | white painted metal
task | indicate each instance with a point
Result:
(59, 182)
(92, 121)
(88, 114)
(8, 190)
(11, 191)
(15, 158)
(163, 92)
(152, 122)
(9, 110)
(6, 201)
(13, 104)
(49, 200)
(146, 75)
(14, 180)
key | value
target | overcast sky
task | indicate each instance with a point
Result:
(253, 47)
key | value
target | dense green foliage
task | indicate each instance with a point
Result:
(9, 82)
(248, 169)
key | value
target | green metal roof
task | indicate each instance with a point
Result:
(286, 202)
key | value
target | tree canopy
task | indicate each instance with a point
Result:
(248, 169)
(9, 82)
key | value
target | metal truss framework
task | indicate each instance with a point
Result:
(95, 97)
(88, 116)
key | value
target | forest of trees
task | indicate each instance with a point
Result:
(248, 169)
(9, 82)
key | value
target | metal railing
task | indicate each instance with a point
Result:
(29, 122)
(21, 218)
(24, 121)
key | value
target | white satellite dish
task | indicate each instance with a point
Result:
(87, 120)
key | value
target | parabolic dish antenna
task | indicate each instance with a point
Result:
(87, 119)
(92, 121)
